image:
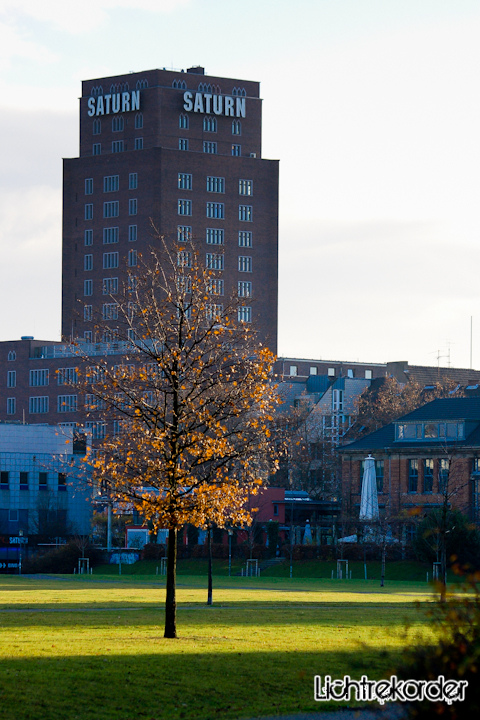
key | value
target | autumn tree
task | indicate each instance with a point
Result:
(385, 401)
(191, 402)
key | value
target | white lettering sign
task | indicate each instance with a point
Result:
(219, 105)
(114, 103)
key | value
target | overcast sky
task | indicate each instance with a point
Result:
(373, 109)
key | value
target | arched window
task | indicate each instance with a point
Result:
(209, 124)
(12, 355)
(97, 126)
(138, 121)
(183, 121)
(141, 84)
(96, 91)
(236, 127)
(117, 123)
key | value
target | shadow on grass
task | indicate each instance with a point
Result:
(174, 686)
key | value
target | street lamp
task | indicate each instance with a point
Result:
(230, 533)
(20, 535)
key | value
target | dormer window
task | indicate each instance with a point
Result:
(434, 430)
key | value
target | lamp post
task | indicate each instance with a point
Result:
(230, 533)
(20, 535)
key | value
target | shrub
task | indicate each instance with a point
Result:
(152, 551)
(62, 560)
(455, 654)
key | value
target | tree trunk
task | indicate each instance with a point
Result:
(171, 601)
(210, 578)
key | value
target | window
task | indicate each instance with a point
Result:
(213, 312)
(111, 183)
(132, 258)
(313, 370)
(245, 238)
(12, 355)
(88, 336)
(4, 480)
(182, 144)
(67, 376)
(210, 147)
(412, 476)
(337, 400)
(66, 403)
(245, 213)
(97, 149)
(215, 236)
(293, 370)
(110, 260)
(110, 235)
(89, 186)
(131, 285)
(443, 471)
(244, 263)
(245, 187)
(96, 374)
(236, 127)
(139, 121)
(110, 286)
(42, 480)
(331, 372)
(117, 123)
(88, 287)
(209, 124)
(214, 261)
(98, 429)
(138, 145)
(133, 181)
(37, 405)
(368, 374)
(380, 472)
(215, 184)
(236, 150)
(183, 123)
(132, 206)
(39, 378)
(428, 475)
(111, 209)
(88, 237)
(117, 146)
(132, 233)
(62, 482)
(110, 311)
(215, 286)
(184, 284)
(216, 210)
(184, 181)
(97, 126)
(245, 314)
(184, 207)
(184, 258)
(89, 211)
(11, 406)
(184, 233)
(11, 378)
(244, 288)
(24, 481)
(88, 262)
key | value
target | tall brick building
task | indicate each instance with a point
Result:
(181, 150)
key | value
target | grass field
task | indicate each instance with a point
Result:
(92, 648)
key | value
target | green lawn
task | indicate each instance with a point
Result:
(92, 648)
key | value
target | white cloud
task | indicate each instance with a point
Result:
(81, 17)
(15, 44)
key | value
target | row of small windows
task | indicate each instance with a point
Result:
(209, 147)
(214, 184)
(215, 236)
(179, 84)
(120, 146)
(429, 475)
(209, 88)
(209, 124)
(118, 123)
(216, 210)
(111, 209)
(110, 285)
(24, 478)
(40, 405)
(111, 235)
(41, 378)
(111, 183)
(110, 260)
(214, 261)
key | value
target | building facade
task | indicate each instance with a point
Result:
(174, 155)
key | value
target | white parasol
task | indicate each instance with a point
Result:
(369, 499)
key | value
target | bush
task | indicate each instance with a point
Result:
(455, 653)
(152, 551)
(462, 538)
(62, 560)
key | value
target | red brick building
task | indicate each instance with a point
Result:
(181, 150)
(422, 459)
